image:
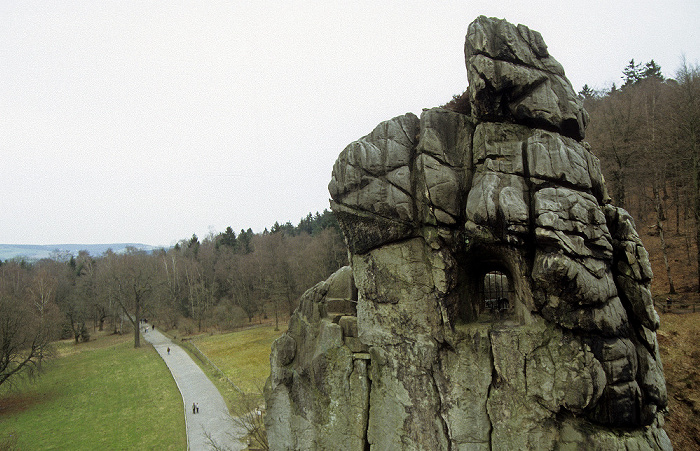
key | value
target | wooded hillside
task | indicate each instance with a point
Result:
(647, 136)
(222, 281)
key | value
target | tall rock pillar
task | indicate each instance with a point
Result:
(498, 300)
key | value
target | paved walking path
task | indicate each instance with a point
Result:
(213, 418)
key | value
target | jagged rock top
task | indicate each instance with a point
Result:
(501, 40)
(513, 78)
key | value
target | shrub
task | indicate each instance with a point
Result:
(459, 103)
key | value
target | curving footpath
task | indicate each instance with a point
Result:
(213, 422)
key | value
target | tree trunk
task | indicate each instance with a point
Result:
(136, 320)
(660, 227)
(696, 197)
(677, 201)
(75, 328)
(137, 323)
(696, 194)
(618, 179)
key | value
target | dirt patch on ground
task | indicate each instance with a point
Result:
(679, 335)
(12, 404)
(679, 340)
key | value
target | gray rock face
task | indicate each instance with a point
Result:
(512, 77)
(495, 299)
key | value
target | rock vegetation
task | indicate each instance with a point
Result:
(495, 300)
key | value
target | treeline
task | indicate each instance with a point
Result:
(224, 281)
(646, 134)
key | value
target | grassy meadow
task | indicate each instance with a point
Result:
(243, 356)
(107, 395)
(98, 395)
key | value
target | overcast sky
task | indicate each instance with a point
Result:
(148, 121)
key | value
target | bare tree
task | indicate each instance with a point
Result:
(238, 274)
(42, 290)
(134, 278)
(173, 287)
(656, 154)
(614, 134)
(248, 420)
(24, 340)
(687, 119)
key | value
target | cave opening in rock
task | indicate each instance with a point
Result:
(497, 296)
(487, 290)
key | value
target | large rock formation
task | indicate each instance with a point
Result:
(496, 300)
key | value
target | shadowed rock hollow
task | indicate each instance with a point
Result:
(496, 300)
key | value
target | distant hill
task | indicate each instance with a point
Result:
(37, 252)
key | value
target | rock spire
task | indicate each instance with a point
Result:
(495, 300)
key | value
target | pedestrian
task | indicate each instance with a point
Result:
(197, 407)
(194, 408)
(168, 350)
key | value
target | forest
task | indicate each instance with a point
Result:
(646, 134)
(223, 281)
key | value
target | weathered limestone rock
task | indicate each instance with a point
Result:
(495, 299)
(512, 77)
(318, 390)
(371, 184)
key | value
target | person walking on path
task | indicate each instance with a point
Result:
(214, 423)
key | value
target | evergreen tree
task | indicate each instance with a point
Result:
(652, 70)
(586, 92)
(228, 238)
(635, 73)
(193, 244)
(632, 73)
(244, 241)
(307, 224)
(287, 228)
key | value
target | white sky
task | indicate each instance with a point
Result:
(148, 121)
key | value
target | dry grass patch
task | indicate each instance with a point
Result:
(679, 340)
(243, 356)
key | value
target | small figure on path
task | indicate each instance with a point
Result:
(168, 350)
(194, 408)
(197, 407)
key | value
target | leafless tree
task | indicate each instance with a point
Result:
(133, 276)
(687, 124)
(24, 340)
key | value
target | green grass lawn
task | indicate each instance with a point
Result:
(98, 395)
(243, 356)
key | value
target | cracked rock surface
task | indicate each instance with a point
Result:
(495, 299)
